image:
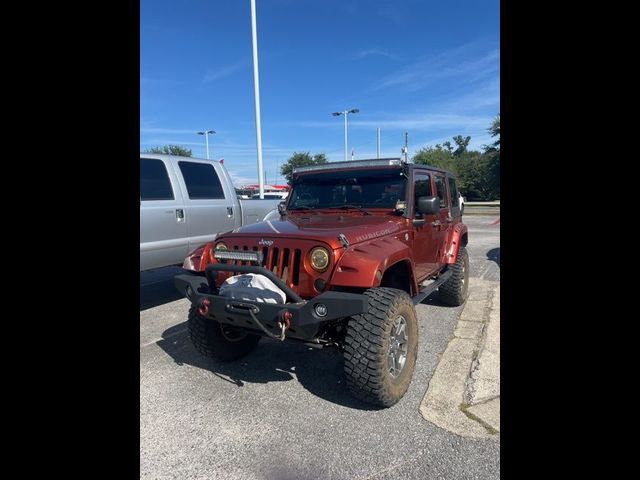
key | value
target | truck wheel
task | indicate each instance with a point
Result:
(381, 347)
(454, 291)
(215, 340)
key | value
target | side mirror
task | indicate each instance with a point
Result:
(428, 205)
(282, 209)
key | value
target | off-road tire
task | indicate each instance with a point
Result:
(366, 347)
(209, 339)
(454, 291)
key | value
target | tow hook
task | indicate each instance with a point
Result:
(284, 324)
(203, 309)
(287, 316)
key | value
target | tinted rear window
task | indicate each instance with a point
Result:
(201, 180)
(154, 180)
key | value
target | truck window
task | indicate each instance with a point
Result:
(441, 191)
(154, 180)
(422, 188)
(201, 180)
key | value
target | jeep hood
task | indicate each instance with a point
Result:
(325, 228)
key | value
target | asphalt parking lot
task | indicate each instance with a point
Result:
(283, 411)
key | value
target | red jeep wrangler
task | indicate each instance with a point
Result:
(358, 245)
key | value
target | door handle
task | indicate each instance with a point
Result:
(229, 212)
(179, 215)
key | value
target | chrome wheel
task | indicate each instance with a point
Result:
(397, 354)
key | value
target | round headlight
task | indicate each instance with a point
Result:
(319, 259)
(221, 246)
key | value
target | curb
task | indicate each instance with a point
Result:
(463, 395)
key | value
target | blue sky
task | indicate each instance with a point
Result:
(431, 68)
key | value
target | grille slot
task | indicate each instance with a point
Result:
(283, 262)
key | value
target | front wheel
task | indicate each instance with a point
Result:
(381, 347)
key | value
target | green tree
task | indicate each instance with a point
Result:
(492, 155)
(301, 159)
(494, 130)
(171, 150)
(438, 156)
(462, 143)
(478, 173)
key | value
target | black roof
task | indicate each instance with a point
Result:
(367, 162)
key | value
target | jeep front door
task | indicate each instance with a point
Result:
(424, 238)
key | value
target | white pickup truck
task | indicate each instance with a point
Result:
(185, 202)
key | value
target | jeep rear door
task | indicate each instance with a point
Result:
(443, 219)
(424, 238)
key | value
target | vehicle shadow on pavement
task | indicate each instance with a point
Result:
(434, 299)
(494, 255)
(318, 371)
(158, 294)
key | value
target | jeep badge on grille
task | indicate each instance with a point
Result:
(265, 243)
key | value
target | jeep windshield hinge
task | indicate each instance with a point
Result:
(343, 240)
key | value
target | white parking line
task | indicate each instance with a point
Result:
(163, 338)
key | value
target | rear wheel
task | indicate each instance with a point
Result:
(381, 347)
(219, 341)
(454, 291)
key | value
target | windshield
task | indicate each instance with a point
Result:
(373, 189)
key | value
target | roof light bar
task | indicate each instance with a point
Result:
(380, 162)
(242, 255)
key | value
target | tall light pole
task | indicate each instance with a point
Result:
(345, 113)
(206, 139)
(256, 87)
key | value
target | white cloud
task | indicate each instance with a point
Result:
(412, 122)
(450, 64)
(219, 73)
(374, 51)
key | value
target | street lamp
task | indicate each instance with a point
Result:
(345, 113)
(206, 139)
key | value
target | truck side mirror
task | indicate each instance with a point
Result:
(428, 205)
(282, 209)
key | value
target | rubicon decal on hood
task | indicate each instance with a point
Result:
(369, 236)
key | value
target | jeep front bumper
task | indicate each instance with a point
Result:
(304, 321)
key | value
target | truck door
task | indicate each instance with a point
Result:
(209, 206)
(424, 238)
(443, 220)
(163, 230)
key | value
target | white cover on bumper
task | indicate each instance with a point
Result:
(252, 287)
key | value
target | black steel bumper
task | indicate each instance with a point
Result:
(305, 323)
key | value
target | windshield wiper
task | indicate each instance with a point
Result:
(302, 208)
(347, 207)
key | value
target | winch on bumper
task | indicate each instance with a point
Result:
(303, 318)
